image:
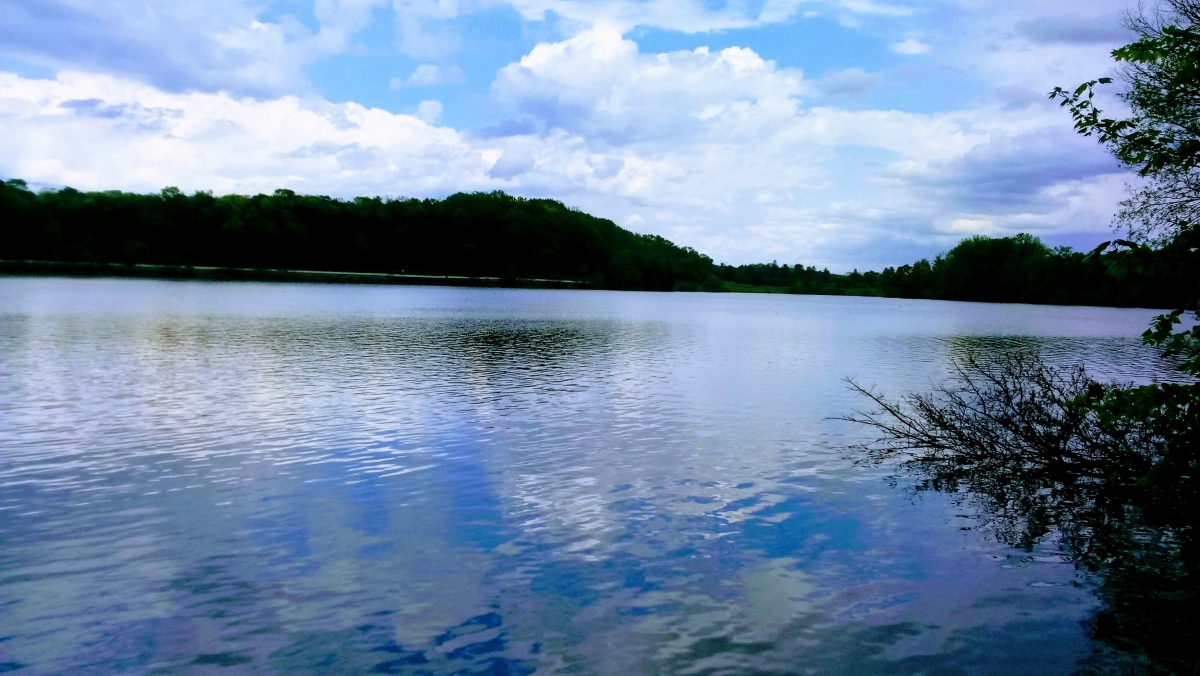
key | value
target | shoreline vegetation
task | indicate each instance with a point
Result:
(1107, 472)
(494, 239)
(34, 268)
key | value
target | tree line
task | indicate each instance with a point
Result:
(1017, 269)
(476, 234)
(512, 238)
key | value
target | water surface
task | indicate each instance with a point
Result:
(275, 478)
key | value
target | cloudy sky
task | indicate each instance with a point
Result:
(839, 133)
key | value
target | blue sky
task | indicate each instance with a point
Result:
(847, 133)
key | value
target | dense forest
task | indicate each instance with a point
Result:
(512, 238)
(479, 234)
(1018, 269)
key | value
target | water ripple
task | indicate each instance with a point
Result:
(323, 479)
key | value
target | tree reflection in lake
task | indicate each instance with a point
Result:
(1043, 453)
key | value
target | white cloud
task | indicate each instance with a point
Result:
(177, 46)
(721, 152)
(101, 132)
(714, 149)
(851, 83)
(1014, 44)
(512, 163)
(428, 74)
(420, 32)
(429, 111)
(1066, 28)
(230, 44)
(599, 85)
(869, 7)
(420, 29)
(910, 46)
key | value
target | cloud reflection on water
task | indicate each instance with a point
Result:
(304, 478)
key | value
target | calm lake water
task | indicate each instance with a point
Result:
(273, 478)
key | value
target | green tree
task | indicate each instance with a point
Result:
(1111, 470)
(477, 234)
(999, 270)
(1160, 138)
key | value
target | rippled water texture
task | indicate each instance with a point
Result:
(254, 478)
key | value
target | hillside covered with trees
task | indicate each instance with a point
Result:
(477, 234)
(512, 239)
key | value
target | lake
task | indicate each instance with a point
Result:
(323, 479)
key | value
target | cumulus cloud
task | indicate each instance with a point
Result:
(1003, 46)
(506, 128)
(100, 132)
(869, 7)
(1042, 180)
(851, 83)
(721, 150)
(1067, 28)
(228, 44)
(429, 111)
(909, 46)
(512, 163)
(689, 16)
(599, 85)
(428, 74)
(421, 28)
(1011, 173)
(214, 45)
(423, 33)
(232, 44)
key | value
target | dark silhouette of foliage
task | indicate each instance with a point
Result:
(479, 234)
(1110, 471)
(1161, 138)
(511, 238)
(1107, 471)
(1018, 269)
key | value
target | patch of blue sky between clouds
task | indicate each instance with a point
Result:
(376, 72)
(826, 51)
(26, 68)
(300, 11)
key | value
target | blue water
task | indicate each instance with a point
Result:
(273, 478)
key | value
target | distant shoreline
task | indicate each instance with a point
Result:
(33, 268)
(498, 240)
(85, 270)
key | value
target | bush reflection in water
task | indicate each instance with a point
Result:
(1033, 452)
